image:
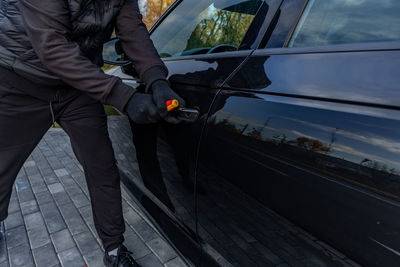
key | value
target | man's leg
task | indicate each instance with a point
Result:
(23, 122)
(85, 122)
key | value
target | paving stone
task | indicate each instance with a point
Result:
(54, 162)
(149, 261)
(136, 246)
(62, 198)
(144, 230)
(131, 216)
(86, 213)
(22, 184)
(71, 258)
(86, 242)
(14, 195)
(44, 197)
(14, 206)
(29, 207)
(50, 178)
(67, 180)
(45, 256)
(162, 249)
(34, 220)
(176, 262)
(94, 258)
(29, 163)
(3, 251)
(52, 217)
(21, 173)
(16, 236)
(56, 188)
(38, 237)
(62, 240)
(73, 188)
(80, 200)
(39, 187)
(61, 172)
(31, 170)
(20, 256)
(25, 195)
(72, 218)
(13, 220)
(46, 170)
(36, 179)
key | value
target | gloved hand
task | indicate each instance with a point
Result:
(161, 93)
(141, 109)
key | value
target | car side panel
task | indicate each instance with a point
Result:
(315, 136)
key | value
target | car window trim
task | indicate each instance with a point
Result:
(267, 20)
(250, 26)
(164, 15)
(274, 7)
(264, 38)
(238, 53)
(352, 47)
(295, 25)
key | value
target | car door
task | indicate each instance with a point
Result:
(309, 126)
(201, 43)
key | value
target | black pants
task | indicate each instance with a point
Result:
(23, 122)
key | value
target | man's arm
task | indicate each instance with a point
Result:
(137, 44)
(48, 25)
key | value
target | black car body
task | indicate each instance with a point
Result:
(299, 112)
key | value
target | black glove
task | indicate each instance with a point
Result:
(161, 93)
(141, 109)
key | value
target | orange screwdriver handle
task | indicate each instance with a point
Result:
(172, 104)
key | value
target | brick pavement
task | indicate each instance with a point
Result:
(50, 221)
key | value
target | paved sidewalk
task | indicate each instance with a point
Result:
(50, 220)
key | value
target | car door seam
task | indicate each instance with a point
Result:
(236, 70)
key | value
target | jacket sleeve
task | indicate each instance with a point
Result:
(137, 45)
(47, 23)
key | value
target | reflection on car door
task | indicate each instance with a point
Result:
(312, 133)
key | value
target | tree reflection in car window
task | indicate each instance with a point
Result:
(347, 21)
(200, 27)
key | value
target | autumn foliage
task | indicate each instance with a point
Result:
(153, 9)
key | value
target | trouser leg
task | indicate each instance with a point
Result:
(85, 122)
(23, 122)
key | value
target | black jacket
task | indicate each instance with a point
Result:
(59, 43)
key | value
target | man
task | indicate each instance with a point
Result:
(50, 59)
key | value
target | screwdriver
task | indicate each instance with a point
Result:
(183, 114)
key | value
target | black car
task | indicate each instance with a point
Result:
(296, 153)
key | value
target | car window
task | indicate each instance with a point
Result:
(200, 27)
(347, 21)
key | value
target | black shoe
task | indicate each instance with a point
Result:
(123, 259)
